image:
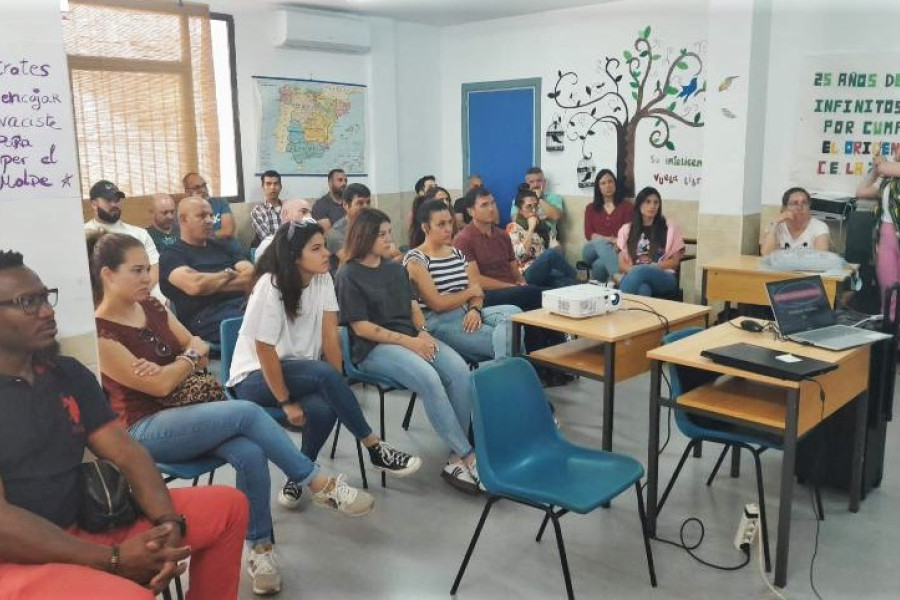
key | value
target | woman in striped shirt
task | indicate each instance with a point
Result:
(451, 300)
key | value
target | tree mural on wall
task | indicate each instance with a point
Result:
(662, 99)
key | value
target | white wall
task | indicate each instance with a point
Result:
(401, 73)
(45, 224)
(574, 39)
(802, 28)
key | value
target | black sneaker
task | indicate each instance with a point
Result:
(289, 496)
(394, 461)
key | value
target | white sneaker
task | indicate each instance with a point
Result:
(458, 475)
(343, 498)
(263, 570)
(473, 470)
(289, 496)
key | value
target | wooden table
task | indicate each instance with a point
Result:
(611, 347)
(789, 409)
(740, 279)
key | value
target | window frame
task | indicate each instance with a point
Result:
(235, 114)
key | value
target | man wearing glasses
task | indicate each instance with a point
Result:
(296, 209)
(224, 226)
(106, 200)
(794, 227)
(53, 408)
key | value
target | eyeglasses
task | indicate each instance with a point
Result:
(798, 205)
(32, 303)
(304, 223)
(162, 348)
(199, 186)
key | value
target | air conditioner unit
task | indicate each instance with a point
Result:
(325, 32)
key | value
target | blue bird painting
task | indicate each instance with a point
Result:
(688, 90)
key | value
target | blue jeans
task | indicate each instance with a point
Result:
(648, 280)
(526, 297)
(322, 393)
(601, 255)
(442, 386)
(238, 432)
(491, 340)
(550, 270)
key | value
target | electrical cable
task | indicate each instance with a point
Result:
(649, 309)
(815, 475)
(759, 561)
(690, 548)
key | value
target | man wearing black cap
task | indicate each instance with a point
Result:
(106, 200)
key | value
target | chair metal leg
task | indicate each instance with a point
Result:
(678, 468)
(166, 594)
(409, 411)
(471, 548)
(651, 568)
(719, 462)
(211, 474)
(337, 432)
(562, 553)
(761, 493)
(540, 533)
(383, 437)
(179, 593)
(362, 466)
(196, 481)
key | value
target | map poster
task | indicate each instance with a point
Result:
(310, 127)
(849, 111)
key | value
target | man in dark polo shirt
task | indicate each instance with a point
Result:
(205, 279)
(53, 408)
(490, 248)
(329, 209)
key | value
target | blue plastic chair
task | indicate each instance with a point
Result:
(356, 375)
(522, 457)
(228, 331)
(228, 334)
(194, 470)
(705, 429)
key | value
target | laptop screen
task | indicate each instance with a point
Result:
(800, 304)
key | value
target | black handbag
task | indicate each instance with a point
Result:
(106, 501)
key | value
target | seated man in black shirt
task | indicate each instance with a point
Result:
(52, 408)
(204, 278)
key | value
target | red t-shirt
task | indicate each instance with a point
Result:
(606, 224)
(493, 253)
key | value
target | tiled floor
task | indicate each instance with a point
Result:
(412, 544)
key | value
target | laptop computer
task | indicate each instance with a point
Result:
(804, 315)
(765, 361)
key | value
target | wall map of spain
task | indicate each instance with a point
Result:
(310, 127)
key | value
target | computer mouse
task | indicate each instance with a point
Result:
(751, 325)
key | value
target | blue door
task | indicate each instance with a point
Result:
(501, 121)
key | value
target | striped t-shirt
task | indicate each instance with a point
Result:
(449, 273)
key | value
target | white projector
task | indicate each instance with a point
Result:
(582, 301)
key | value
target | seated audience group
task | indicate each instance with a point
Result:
(160, 296)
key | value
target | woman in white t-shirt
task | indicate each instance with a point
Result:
(883, 183)
(794, 227)
(291, 322)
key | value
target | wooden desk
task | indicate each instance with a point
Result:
(740, 279)
(611, 347)
(789, 409)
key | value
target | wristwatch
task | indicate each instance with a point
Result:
(176, 519)
(476, 309)
(193, 355)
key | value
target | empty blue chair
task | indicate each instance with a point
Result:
(522, 457)
(706, 429)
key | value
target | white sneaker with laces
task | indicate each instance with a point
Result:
(289, 496)
(343, 498)
(458, 475)
(263, 570)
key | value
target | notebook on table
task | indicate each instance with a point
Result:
(765, 361)
(804, 315)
